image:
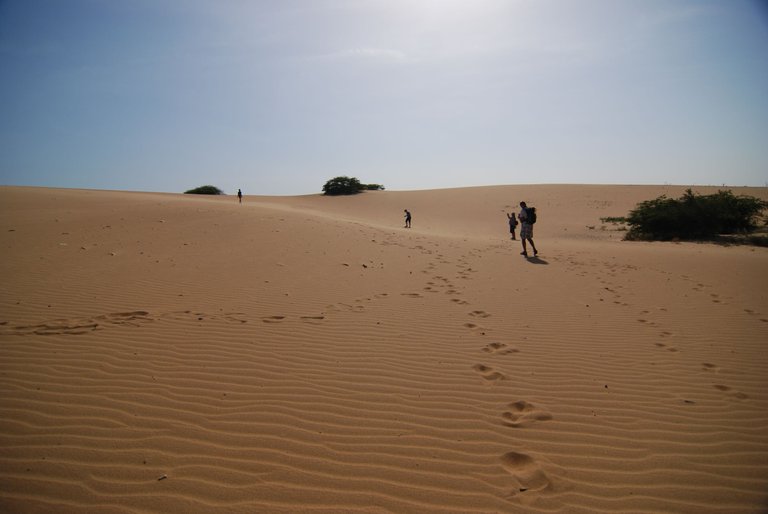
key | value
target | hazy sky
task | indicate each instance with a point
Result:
(278, 96)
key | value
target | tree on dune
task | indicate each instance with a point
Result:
(348, 186)
(205, 190)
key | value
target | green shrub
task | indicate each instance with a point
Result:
(348, 186)
(694, 217)
(342, 186)
(204, 190)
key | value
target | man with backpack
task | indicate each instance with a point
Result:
(527, 218)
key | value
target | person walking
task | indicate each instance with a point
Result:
(512, 224)
(527, 218)
(407, 219)
(240, 196)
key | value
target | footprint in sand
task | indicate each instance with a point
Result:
(412, 295)
(727, 389)
(668, 348)
(82, 326)
(479, 314)
(499, 348)
(235, 317)
(339, 307)
(180, 315)
(706, 366)
(312, 319)
(57, 327)
(489, 373)
(231, 317)
(272, 319)
(528, 475)
(130, 318)
(523, 413)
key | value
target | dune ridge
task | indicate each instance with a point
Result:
(308, 354)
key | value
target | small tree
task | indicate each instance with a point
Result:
(204, 190)
(694, 216)
(342, 186)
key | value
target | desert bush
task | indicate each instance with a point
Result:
(348, 186)
(695, 217)
(342, 186)
(204, 190)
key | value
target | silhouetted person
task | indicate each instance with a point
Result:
(407, 219)
(526, 229)
(512, 224)
(240, 196)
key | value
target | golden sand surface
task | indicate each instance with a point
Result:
(182, 353)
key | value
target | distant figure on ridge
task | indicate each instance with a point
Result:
(240, 196)
(527, 218)
(407, 219)
(512, 224)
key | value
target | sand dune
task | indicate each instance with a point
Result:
(176, 353)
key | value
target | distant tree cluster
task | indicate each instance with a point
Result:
(695, 217)
(205, 190)
(348, 186)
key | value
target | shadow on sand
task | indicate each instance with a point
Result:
(536, 260)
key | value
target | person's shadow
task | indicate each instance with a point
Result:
(536, 260)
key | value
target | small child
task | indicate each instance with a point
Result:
(512, 224)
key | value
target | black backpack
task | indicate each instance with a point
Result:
(531, 215)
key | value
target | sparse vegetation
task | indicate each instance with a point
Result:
(205, 190)
(618, 224)
(697, 217)
(348, 186)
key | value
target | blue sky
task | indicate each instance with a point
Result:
(276, 97)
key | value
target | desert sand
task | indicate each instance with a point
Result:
(181, 353)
